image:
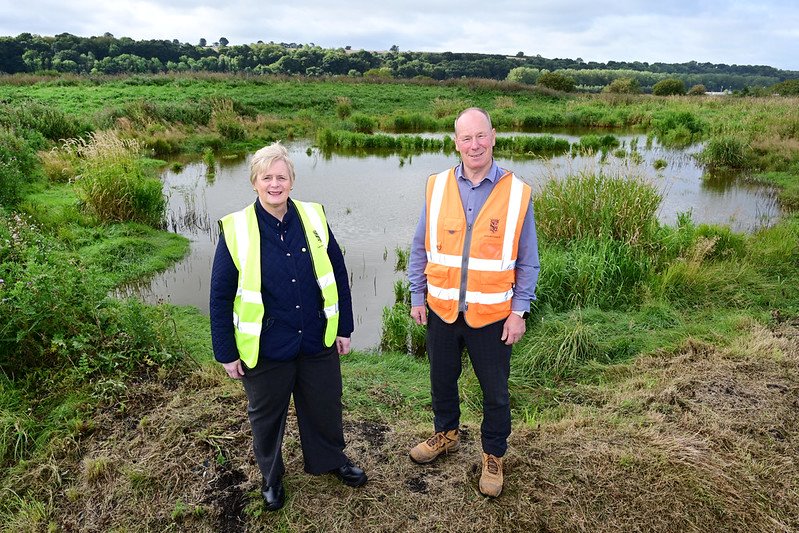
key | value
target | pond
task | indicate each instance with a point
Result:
(373, 203)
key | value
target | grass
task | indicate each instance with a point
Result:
(600, 456)
(599, 205)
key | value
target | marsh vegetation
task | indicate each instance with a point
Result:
(656, 388)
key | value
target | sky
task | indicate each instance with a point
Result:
(675, 31)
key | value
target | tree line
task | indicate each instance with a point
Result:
(106, 54)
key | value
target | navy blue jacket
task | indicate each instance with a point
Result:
(293, 323)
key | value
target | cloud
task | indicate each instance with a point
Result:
(732, 32)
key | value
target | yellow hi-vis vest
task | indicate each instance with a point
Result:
(491, 258)
(244, 244)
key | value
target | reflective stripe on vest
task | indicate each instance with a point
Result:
(491, 259)
(314, 222)
(244, 244)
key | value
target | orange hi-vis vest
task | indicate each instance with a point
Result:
(491, 258)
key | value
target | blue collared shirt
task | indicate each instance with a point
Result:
(473, 198)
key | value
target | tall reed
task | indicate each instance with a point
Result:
(620, 208)
(115, 184)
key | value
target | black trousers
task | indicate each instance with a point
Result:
(315, 382)
(490, 358)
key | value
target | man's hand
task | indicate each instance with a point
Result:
(419, 314)
(234, 369)
(514, 329)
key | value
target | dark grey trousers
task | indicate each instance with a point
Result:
(491, 363)
(315, 382)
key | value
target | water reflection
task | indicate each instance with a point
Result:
(373, 203)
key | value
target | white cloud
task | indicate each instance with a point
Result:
(627, 30)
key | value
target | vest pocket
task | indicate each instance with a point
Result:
(451, 234)
(441, 276)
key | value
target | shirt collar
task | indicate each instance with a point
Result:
(493, 174)
(267, 217)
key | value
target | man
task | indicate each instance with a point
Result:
(475, 256)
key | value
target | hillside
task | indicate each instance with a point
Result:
(70, 54)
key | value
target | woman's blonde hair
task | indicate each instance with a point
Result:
(267, 155)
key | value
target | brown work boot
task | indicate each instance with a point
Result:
(441, 442)
(491, 478)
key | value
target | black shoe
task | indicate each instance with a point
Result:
(350, 475)
(274, 496)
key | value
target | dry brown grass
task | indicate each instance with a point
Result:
(699, 440)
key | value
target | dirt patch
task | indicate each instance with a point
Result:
(226, 494)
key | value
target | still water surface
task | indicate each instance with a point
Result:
(373, 203)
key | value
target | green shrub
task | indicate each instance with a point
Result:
(363, 123)
(145, 112)
(50, 122)
(226, 121)
(786, 88)
(725, 152)
(403, 254)
(623, 86)
(533, 122)
(556, 81)
(48, 302)
(527, 75)
(678, 128)
(668, 87)
(19, 167)
(343, 107)
(55, 312)
(445, 107)
(697, 90)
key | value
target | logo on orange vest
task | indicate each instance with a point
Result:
(494, 225)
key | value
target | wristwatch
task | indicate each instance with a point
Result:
(521, 314)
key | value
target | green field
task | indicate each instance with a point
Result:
(655, 390)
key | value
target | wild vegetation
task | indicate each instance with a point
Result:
(656, 388)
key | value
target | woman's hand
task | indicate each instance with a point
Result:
(343, 345)
(234, 369)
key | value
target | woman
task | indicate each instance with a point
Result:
(281, 315)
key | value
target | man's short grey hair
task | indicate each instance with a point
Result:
(479, 110)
